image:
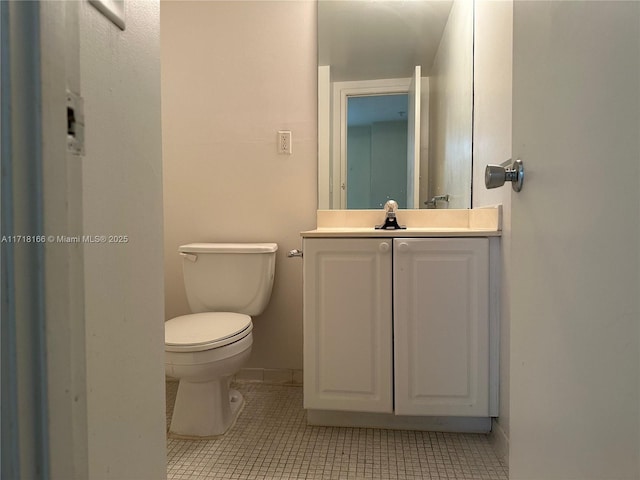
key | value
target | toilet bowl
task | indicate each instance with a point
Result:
(205, 349)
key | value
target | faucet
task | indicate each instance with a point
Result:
(390, 221)
(390, 208)
(433, 203)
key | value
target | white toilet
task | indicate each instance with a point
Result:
(226, 284)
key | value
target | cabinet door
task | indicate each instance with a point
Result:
(441, 327)
(347, 324)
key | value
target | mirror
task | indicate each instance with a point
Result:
(373, 146)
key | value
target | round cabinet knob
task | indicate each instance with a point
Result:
(384, 247)
(403, 247)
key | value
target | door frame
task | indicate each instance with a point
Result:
(46, 432)
(341, 91)
(25, 416)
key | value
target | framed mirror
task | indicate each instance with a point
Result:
(395, 103)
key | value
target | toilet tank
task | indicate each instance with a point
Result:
(228, 277)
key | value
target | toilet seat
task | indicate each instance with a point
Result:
(205, 331)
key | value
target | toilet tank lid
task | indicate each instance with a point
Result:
(228, 248)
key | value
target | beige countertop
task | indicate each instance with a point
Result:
(408, 232)
(481, 222)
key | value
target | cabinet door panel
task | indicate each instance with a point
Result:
(441, 327)
(347, 325)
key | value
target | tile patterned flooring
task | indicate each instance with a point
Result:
(271, 440)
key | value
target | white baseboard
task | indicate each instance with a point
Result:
(272, 376)
(330, 418)
(500, 441)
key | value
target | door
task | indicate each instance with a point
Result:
(347, 325)
(342, 92)
(574, 361)
(441, 326)
(413, 140)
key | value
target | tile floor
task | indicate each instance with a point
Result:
(271, 440)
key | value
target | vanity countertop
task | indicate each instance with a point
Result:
(406, 233)
(480, 222)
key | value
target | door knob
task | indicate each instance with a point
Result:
(496, 175)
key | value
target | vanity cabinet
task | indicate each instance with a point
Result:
(348, 356)
(441, 326)
(397, 325)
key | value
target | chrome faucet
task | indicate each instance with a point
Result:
(390, 208)
(433, 203)
(390, 221)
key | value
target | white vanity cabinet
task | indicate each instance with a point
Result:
(348, 357)
(397, 325)
(441, 326)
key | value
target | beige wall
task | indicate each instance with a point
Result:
(122, 194)
(450, 103)
(233, 74)
(492, 144)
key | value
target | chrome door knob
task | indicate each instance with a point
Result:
(496, 175)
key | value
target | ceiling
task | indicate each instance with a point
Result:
(371, 39)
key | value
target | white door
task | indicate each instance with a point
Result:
(325, 179)
(441, 326)
(574, 359)
(413, 140)
(348, 324)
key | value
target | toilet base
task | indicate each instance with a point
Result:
(205, 409)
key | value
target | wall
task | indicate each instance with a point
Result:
(492, 144)
(451, 97)
(122, 195)
(233, 74)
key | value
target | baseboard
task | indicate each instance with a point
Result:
(270, 376)
(500, 441)
(330, 418)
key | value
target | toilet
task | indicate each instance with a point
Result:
(226, 284)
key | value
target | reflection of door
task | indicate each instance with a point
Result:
(574, 361)
(338, 164)
(382, 158)
(413, 140)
